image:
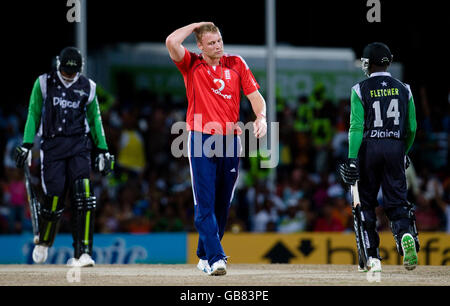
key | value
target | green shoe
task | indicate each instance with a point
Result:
(409, 252)
(362, 269)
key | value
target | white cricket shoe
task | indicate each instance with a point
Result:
(203, 266)
(374, 264)
(218, 268)
(85, 260)
(40, 253)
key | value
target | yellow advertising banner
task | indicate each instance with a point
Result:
(319, 248)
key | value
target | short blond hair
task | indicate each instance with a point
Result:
(205, 29)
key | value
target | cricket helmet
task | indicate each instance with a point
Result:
(375, 53)
(70, 60)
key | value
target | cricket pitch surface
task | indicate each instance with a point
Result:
(237, 275)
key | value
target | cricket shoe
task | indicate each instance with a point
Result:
(218, 268)
(40, 253)
(409, 252)
(203, 266)
(374, 264)
(85, 260)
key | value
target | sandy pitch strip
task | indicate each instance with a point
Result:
(237, 275)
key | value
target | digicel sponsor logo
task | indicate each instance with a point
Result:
(65, 103)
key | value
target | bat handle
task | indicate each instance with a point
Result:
(355, 194)
(26, 170)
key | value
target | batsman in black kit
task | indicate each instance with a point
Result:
(382, 130)
(64, 110)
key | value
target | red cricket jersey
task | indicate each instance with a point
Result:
(214, 94)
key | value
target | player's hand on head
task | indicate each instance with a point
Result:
(202, 23)
(260, 127)
(349, 171)
(22, 154)
(104, 163)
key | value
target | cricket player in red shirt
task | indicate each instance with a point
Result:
(213, 83)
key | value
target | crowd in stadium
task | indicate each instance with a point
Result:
(150, 190)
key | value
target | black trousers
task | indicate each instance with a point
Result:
(381, 163)
(64, 160)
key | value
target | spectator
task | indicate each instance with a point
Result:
(265, 213)
(342, 212)
(427, 218)
(320, 196)
(327, 222)
(108, 221)
(295, 220)
(131, 150)
(15, 194)
(294, 190)
(139, 225)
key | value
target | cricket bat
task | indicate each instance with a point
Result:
(33, 203)
(358, 225)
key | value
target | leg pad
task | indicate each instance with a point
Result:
(49, 216)
(83, 208)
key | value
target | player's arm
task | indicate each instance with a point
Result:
(22, 153)
(356, 131)
(34, 114)
(349, 171)
(175, 39)
(411, 126)
(104, 162)
(95, 124)
(259, 108)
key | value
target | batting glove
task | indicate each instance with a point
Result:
(349, 171)
(104, 163)
(22, 154)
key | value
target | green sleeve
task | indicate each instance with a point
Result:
(34, 113)
(95, 124)
(356, 131)
(411, 125)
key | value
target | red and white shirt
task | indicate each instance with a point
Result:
(214, 93)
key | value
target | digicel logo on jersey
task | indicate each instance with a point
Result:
(384, 134)
(65, 103)
(221, 85)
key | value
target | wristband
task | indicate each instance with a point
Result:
(27, 145)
